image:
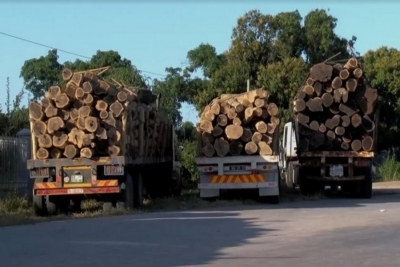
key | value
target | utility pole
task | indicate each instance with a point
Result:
(248, 85)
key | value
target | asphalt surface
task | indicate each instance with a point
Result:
(328, 233)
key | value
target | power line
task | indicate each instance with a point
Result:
(65, 51)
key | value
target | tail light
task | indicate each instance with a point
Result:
(207, 169)
(361, 163)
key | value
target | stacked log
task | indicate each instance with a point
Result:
(90, 117)
(239, 124)
(335, 109)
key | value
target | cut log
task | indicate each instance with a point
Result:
(345, 121)
(62, 100)
(215, 108)
(45, 102)
(321, 72)
(76, 137)
(264, 149)
(356, 120)
(310, 81)
(275, 120)
(309, 90)
(235, 148)
(345, 146)
(54, 124)
(66, 74)
(367, 143)
(217, 131)
(222, 120)
(339, 131)
(91, 124)
(114, 137)
(261, 103)
(233, 132)
(318, 88)
(336, 83)
(322, 128)
(35, 111)
(257, 112)
(101, 133)
(204, 125)
(337, 96)
(87, 87)
(351, 64)
(314, 125)
(117, 108)
(347, 137)
(51, 111)
(74, 114)
(301, 95)
(344, 74)
(70, 90)
(351, 85)
(331, 135)
(345, 95)
(221, 146)
(336, 120)
(87, 152)
(273, 109)
(42, 153)
(327, 100)
(251, 148)
(103, 114)
(45, 141)
(87, 139)
(302, 119)
(208, 150)
(357, 73)
(368, 124)
(60, 140)
(63, 114)
(356, 145)
(300, 105)
(85, 111)
(257, 137)
(315, 104)
(247, 135)
(79, 93)
(77, 79)
(55, 153)
(54, 91)
(207, 138)
(349, 108)
(236, 121)
(114, 151)
(261, 127)
(101, 105)
(329, 124)
(88, 100)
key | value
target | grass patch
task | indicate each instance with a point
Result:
(389, 170)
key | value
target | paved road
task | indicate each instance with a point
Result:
(328, 233)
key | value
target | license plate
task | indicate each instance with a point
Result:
(75, 191)
(237, 168)
(76, 178)
(336, 171)
(110, 170)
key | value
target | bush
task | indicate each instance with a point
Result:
(389, 169)
(188, 155)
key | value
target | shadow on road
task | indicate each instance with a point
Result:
(158, 239)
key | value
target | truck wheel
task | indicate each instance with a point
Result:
(127, 197)
(275, 200)
(38, 205)
(366, 184)
(138, 190)
(51, 206)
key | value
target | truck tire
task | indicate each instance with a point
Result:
(39, 205)
(366, 184)
(126, 199)
(138, 190)
(307, 186)
(51, 206)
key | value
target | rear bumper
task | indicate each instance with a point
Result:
(76, 191)
(237, 185)
(329, 178)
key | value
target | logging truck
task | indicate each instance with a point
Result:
(332, 138)
(96, 139)
(238, 145)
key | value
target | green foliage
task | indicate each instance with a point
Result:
(188, 156)
(389, 170)
(41, 73)
(15, 117)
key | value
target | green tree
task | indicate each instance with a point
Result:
(41, 73)
(382, 67)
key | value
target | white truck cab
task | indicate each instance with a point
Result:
(288, 161)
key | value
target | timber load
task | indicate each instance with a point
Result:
(336, 109)
(90, 117)
(239, 124)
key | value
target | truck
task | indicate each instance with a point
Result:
(331, 140)
(117, 150)
(238, 146)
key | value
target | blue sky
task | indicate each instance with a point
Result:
(157, 35)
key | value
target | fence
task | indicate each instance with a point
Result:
(14, 152)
